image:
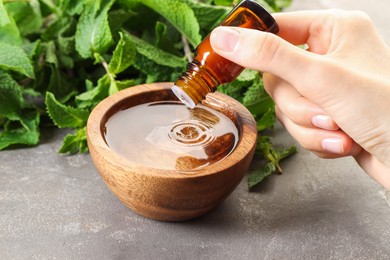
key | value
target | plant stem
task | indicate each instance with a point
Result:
(187, 49)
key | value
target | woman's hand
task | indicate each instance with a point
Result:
(334, 97)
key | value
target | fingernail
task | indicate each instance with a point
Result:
(324, 122)
(333, 145)
(225, 39)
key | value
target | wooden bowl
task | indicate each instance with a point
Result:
(170, 195)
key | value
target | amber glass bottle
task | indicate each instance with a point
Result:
(208, 70)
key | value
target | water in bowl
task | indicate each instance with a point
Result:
(168, 135)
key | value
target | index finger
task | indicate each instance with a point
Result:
(297, 27)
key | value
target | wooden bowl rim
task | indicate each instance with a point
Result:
(242, 150)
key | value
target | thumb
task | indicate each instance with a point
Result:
(263, 51)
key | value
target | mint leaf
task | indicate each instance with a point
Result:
(11, 98)
(285, 152)
(209, 16)
(27, 16)
(273, 156)
(4, 19)
(255, 177)
(248, 76)
(113, 87)
(66, 48)
(32, 49)
(153, 71)
(157, 64)
(65, 116)
(127, 83)
(257, 100)
(165, 38)
(223, 2)
(237, 88)
(234, 89)
(61, 86)
(15, 59)
(155, 54)
(72, 7)
(93, 33)
(124, 55)
(118, 18)
(9, 32)
(58, 28)
(92, 97)
(180, 15)
(75, 143)
(25, 132)
(50, 54)
(267, 120)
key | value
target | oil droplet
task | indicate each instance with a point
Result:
(168, 135)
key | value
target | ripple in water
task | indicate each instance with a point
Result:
(168, 135)
(191, 133)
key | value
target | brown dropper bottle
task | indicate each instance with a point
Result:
(208, 70)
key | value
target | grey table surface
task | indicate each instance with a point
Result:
(58, 207)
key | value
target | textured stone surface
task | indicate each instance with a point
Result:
(57, 207)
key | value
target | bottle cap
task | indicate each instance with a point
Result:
(183, 97)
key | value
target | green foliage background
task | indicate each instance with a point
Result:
(60, 58)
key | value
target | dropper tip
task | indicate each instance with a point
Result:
(183, 97)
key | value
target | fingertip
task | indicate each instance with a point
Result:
(324, 122)
(333, 145)
(341, 145)
(246, 47)
(224, 39)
